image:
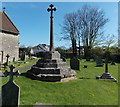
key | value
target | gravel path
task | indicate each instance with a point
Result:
(24, 68)
(20, 69)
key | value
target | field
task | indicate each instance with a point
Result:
(85, 90)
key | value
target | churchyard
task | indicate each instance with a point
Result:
(19, 64)
(85, 90)
(90, 78)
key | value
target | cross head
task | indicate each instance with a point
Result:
(11, 73)
(51, 9)
(7, 56)
(4, 9)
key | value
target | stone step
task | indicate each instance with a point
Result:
(44, 77)
(60, 70)
(37, 70)
(49, 61)
(51, 65)
(50, 75)
(107, 76)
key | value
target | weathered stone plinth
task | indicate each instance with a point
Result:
(50, 68)
(107, 76)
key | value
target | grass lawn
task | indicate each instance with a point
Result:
(74, 92)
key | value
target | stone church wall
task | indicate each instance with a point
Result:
(9, 45)
(0, 47)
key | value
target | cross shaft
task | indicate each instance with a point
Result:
(51, 9)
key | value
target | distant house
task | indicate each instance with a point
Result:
(40, 48)
(70, 50)
(9, 38)
(81, 50)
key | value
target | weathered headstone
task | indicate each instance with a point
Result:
(1, 56)
(99, 62)
(23, 56)
(10, 91)
(75, 64)
(13, 59)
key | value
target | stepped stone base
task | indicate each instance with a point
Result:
(50, 68)
(107, 76)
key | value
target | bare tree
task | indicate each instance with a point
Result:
(109, 41)
(84, 25)
(91, 20)
(69, 29)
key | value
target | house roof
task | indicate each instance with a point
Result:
(41, 47)
(6, 24)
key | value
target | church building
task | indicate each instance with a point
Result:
(9, 39)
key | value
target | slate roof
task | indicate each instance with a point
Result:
(7, 25)
(41, 48)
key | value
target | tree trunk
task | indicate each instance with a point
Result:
(74, 47)
(79, 46)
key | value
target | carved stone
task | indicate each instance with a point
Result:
(50, 68)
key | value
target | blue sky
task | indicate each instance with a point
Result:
(32, 19)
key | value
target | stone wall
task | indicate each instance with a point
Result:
(0, 48)
(9, 45)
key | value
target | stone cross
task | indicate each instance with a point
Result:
(51, 9)
(106, 65)
(10, 91)
(4, 9)
(2, 57)
(7, 59)
(11, 73)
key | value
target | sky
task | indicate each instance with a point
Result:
(33, 20)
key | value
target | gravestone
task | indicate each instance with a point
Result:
(13, 59)
(23, 56)
(113, 63)
(85, 66)
(63, 58)
(50, 67)
(6, 73)
(0, 65)
(1, 56)
(7, 60)
(106, 75)
(10, 91)
(94, 57)
(75, 64)
(87, 58)
(99, 62)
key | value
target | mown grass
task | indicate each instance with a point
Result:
(75, 92)
(21, 64)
